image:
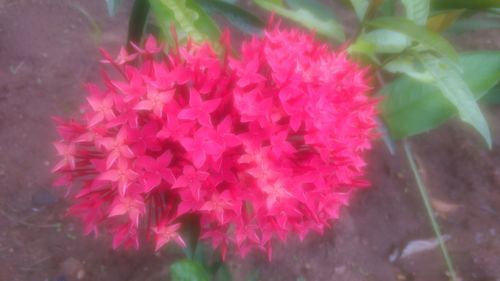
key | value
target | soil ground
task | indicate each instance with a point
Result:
(48, 49)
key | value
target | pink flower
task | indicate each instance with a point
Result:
(192, 180)
(101, 104)
(67, 151)
(117, 147)
(155, 101)
(258, 147)
(166, 233)
(217, 205)
(198, 109)
(201, 145)
(156, 170)
(123, 175)
(131, 205)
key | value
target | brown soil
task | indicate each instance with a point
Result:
(48, 49)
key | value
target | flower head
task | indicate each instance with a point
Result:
(258, 147)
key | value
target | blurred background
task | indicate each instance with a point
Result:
(49, 48)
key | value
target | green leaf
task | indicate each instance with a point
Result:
(411, 107)
(465, 4)
(442, 21)
(426, 38)
(137, 21)
(112, 6)
(184, 17)
(163, 18)
(188, 17)
(223, 274)
(188, 270)
(309, 13)
(409, 65)
(417, 10)
(364, 49)
(373, 7)
(388, 8)
(360, 7)
(456, 90)
(387, 41)
(238, 17)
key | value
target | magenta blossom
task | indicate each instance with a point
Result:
(258, 147)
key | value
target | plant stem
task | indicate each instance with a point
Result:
(428, 208)
(191, 232)
(382, 128)
(137, 22)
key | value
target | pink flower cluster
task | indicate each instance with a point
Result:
(258, 147)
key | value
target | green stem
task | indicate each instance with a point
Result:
(428, 208)
(191, 232)
(137, 21)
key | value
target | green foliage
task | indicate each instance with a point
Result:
(387, 8)
(190, 230)
(223, 274)
(409, 64)
(386, 41)
(238, 17)
(442, 21)
(163, 18)
(308, 13)
(411, 107)
(430, 82)
(453, 87)
(187, 16)
(188, 270)
(360, 7)
(427, 39)
(137, 21)
(417, 10)
(193, 20)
